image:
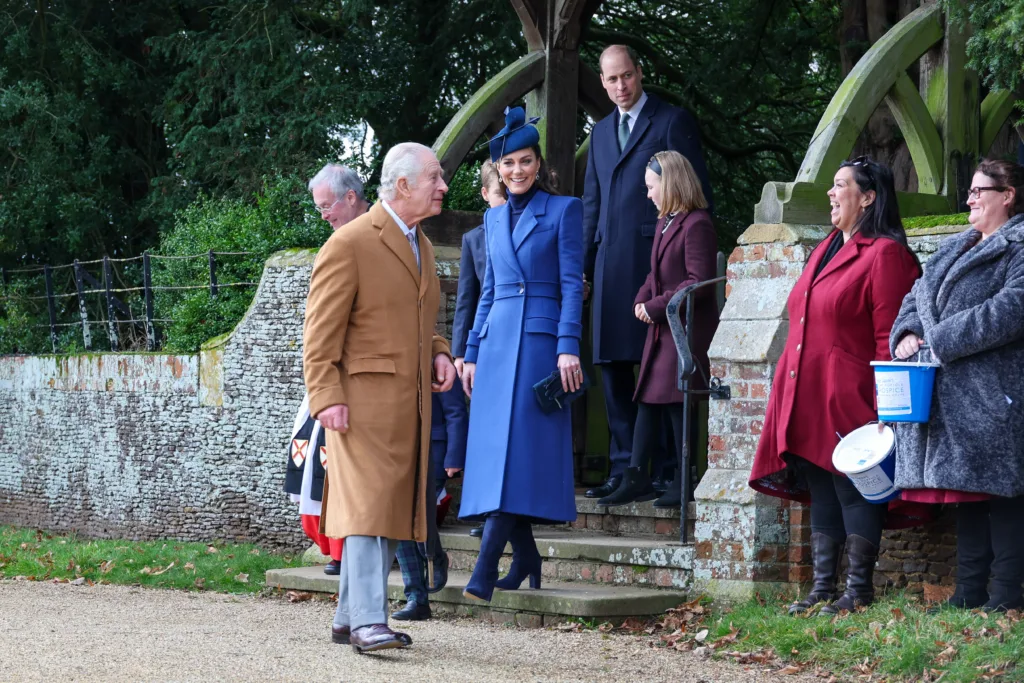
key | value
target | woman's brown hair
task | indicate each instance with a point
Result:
(1008, 175)
(680, 186)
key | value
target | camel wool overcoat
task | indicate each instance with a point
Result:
(369, 343)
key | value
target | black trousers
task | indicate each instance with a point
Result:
(653, 422)
(837, 508)
(619, 386)
(991, 533)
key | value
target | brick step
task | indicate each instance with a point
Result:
(632, 519)
(555, 603)
(589, 556)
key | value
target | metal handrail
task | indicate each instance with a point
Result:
(687, 366)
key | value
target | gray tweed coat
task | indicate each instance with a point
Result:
(969, 307)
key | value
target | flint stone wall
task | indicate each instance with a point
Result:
(190, 447)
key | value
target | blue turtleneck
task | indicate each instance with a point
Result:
(518, 202)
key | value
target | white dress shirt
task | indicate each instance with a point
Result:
(633, 112)
(410, 233)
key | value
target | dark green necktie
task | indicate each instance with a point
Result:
(623, 131)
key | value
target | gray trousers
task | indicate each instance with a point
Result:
(363, 582)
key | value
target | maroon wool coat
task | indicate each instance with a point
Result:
(685, 254)
(824, 385)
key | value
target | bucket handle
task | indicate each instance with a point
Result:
(919, 356)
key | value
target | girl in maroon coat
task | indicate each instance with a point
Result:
(840, 314)
(684, 253)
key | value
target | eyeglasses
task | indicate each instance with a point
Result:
(975, 192)
(325, 209)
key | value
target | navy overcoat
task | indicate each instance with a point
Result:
(471, 275)
(619, 220)
(519, 459)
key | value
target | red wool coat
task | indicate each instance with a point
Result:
(685, 254)
(824, 385)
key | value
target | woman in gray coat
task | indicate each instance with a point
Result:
(969, 308)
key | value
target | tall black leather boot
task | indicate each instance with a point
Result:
(1006, 520)
(973, 556)
(825, 555)
(861, 556)
(635, 486)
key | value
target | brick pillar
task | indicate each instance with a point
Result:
(744, 539)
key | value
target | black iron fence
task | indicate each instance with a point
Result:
(74, 296)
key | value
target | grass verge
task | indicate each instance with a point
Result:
(224, 567)
(914, 222)
(893, 640)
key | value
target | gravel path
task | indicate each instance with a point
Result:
(59, 632)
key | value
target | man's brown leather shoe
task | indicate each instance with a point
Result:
(375, 637)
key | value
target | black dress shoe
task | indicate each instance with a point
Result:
(342, 635)
(477, 531)
(672, 498)
(413, 611)
(605, 489)
(660, 485)
(375, 637)
(332, 568)
(635, 487)
(440, 574)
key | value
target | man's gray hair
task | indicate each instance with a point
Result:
(340, 179)
(404, 160)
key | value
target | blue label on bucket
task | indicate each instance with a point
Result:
(893, 390)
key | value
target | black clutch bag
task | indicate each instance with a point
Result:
(552, 397)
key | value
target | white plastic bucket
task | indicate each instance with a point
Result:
(868, 457)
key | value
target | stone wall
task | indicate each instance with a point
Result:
(745, 539)
(189, 447)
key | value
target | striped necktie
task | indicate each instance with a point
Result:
(414, 243)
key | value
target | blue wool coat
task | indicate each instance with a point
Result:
(519, 459)
(619, 220)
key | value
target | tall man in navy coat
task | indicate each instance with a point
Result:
(618, 231)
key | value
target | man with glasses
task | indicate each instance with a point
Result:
(338, 196)
(618, 232)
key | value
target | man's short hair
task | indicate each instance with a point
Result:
(340, 179)
(404, 160)
(630, 52)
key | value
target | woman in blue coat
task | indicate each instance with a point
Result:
(528, 324)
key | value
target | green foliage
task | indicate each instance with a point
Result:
(228, 568)
(464, 190)
(915, 222)
(19, 317)
(280, 218)
(995, 47)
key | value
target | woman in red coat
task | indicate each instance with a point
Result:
(684, 253)
(840, 314)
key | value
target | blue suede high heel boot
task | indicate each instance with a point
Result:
(526, 561)
(497, 529)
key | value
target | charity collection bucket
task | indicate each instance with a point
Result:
(903, 390)
(868, 457)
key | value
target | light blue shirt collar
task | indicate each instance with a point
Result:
(406, 230)
(634, 111)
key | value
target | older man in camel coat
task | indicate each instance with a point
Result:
(371, 358)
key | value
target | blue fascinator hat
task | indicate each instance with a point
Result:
(518, 133)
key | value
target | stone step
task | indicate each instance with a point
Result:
(555, 603)
(589, 556)
(632, 519)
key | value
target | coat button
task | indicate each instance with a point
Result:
(805, 294)
(798, 346)
(792, 374)
(801, 321)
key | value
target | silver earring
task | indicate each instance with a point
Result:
(538, 177)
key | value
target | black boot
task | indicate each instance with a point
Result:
(526, 560)
(1006, 520)
(825, 556)
(635, 486)
(672, 498)
(861, 556)
(973, 556)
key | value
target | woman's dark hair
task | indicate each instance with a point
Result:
(547, 181)
(1006, 174)
(882, 217)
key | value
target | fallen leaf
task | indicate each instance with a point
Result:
(211, 549)
(298, 596)
(898, 615)
(146, 570)
(729, 637)
(164, 570)
(106, 566)
(935, 593)
(190, 566)
(789, 670)
(946, 656)
(78, 582)
(606, 627)
(573, 626)
(200, 582)
(702, 635)
(254, 551)
(242, 578)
